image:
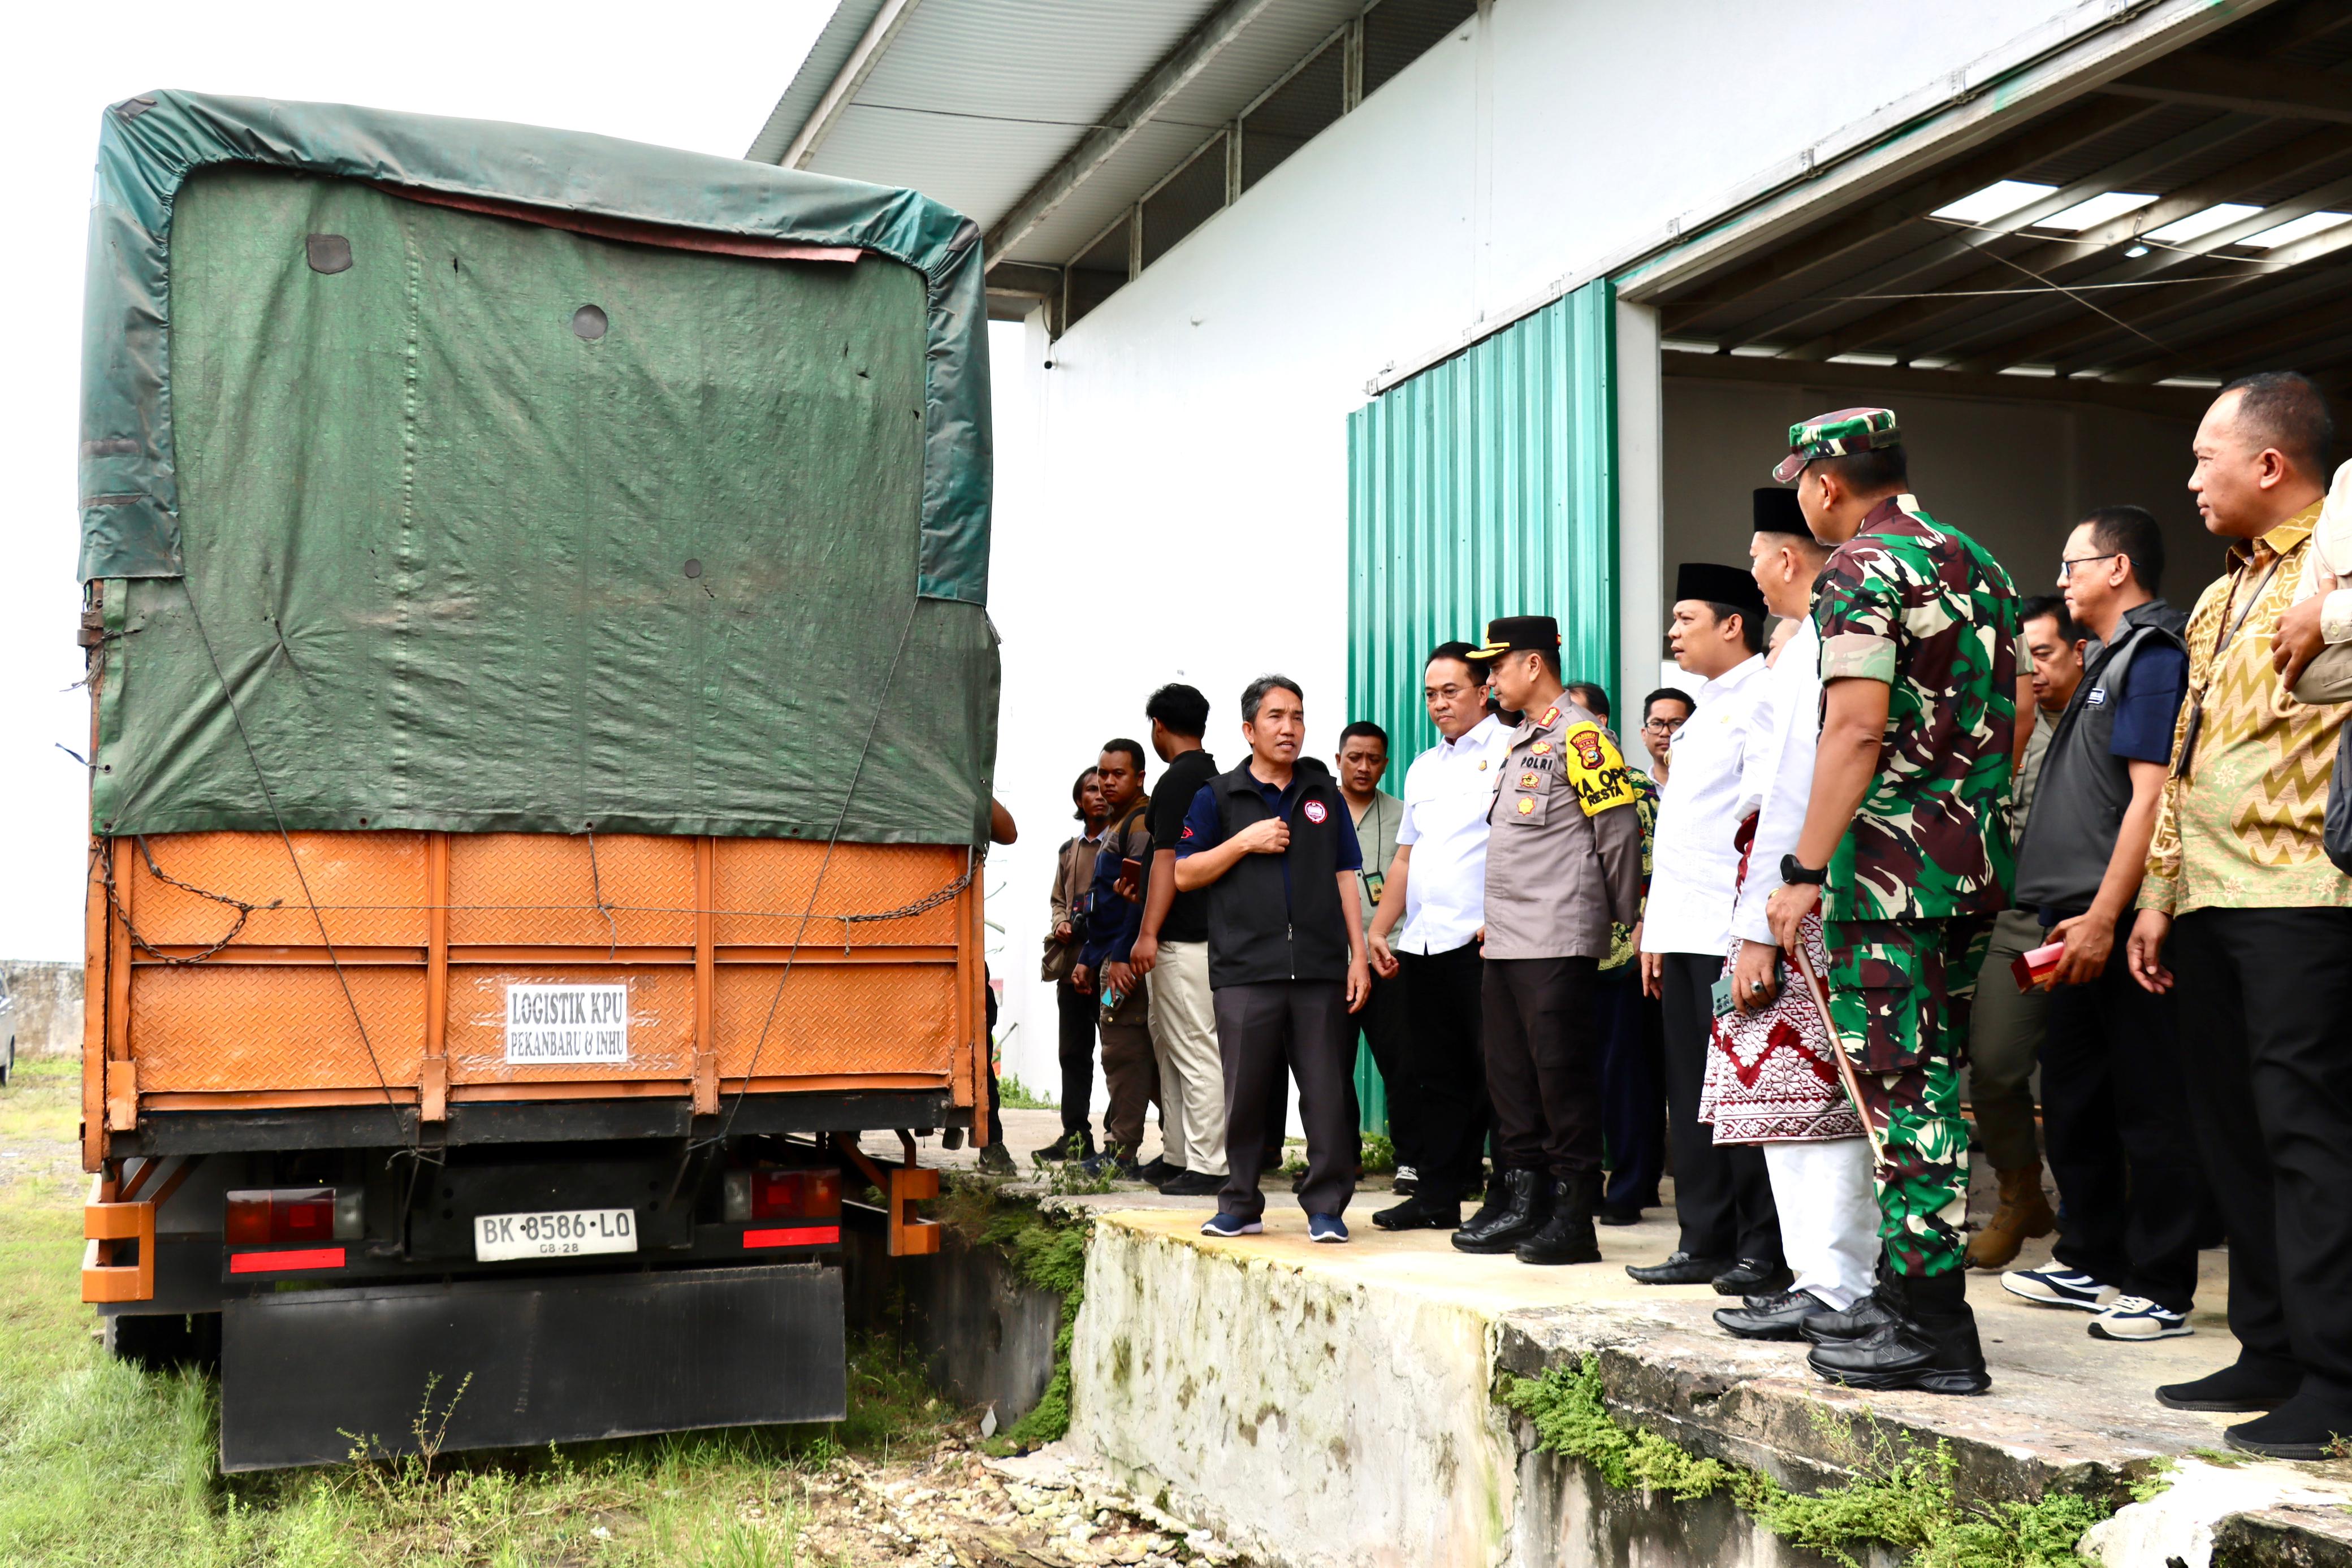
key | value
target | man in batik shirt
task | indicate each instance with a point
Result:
(1907, 831)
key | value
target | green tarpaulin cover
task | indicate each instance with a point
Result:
(426, 517)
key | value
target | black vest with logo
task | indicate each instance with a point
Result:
(2079, 804)
(1278, 918)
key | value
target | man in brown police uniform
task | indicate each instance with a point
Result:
(1563, 859)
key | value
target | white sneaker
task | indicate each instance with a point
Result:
(1407, 1180)
(2055, 1285)
(2136, 1317)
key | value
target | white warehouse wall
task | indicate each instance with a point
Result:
(1172, 493)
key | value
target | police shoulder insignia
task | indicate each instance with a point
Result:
(1597, 770)
(1550, 717)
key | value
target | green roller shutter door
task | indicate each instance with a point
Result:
(1485, 486)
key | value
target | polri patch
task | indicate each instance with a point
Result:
(1315, 810)
(1540, 748)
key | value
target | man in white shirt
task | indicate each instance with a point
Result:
(1436, 886)
(1722, 1196)
(1822, 1186)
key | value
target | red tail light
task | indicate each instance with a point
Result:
(276, 1216)
(783, 1194)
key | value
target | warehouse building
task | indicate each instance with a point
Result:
(1330, 330)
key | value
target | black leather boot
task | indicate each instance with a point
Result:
(1873, 1311)
(1515, 1208)
(1929, 1342)
(1422, 1211)
(1566, 1237)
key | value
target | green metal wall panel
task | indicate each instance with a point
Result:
(1485, 486)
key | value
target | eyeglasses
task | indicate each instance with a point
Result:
(2067, 568)
(1666, 726)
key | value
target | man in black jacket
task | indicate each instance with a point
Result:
(2115, 1102)
(1273, 842)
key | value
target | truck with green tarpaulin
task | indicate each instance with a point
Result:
(543, 706)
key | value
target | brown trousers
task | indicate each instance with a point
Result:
(1130, 1073)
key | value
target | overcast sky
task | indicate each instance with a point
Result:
(693, 74)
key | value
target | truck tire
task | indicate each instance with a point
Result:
(164, 1342)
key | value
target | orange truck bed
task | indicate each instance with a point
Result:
(221, 979)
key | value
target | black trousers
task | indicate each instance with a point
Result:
(1632, 1090)
(1303, 1026)
(1075, 1009)
(1723, 1193)
(1383, 1024)
(1444, 1077)
(2264, 997)
(1543, 1065)
(2116, 1127)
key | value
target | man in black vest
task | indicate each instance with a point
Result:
(1273, 842)
(2115, 1105)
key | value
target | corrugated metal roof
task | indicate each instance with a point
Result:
(974, 103)
(825, 57)
(1284, 34)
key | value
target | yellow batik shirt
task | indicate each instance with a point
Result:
(2240, 823)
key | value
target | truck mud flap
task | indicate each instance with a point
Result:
(308, 1377)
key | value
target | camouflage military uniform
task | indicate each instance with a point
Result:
(1916, 883)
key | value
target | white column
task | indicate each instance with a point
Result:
(1641, 511)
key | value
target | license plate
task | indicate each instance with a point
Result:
(554, 1233)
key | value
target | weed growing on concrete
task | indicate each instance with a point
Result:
(1048, 1251)
(1901, 1496)
(2154, 1481)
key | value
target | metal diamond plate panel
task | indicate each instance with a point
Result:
(370, 888)
(661, 1022)
(261, 1026)
(540, 889)
(837, 1019)
(760, 874)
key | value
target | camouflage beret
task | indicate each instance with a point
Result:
(1848, 429)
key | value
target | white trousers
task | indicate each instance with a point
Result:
(1191, 1072)
(1829, 1216)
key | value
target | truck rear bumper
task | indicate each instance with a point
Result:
(512, 1363)
(529, 1121)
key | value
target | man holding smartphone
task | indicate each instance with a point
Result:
(1125, 1021)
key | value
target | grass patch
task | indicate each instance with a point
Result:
(42, 1101)
(105, 1466)
(1902, 1495)
(1016, 1095)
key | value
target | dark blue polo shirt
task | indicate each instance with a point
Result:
(1203, 826)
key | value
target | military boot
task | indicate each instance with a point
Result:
(2023, 1213)
(1566, 1237)
(1929, 1342)
(1870, 1313)
(1515, 1207)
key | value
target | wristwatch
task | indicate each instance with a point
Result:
(1794, 870)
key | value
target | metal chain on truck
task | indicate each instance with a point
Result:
(114, 902)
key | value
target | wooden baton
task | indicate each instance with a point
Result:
(1815, 989)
